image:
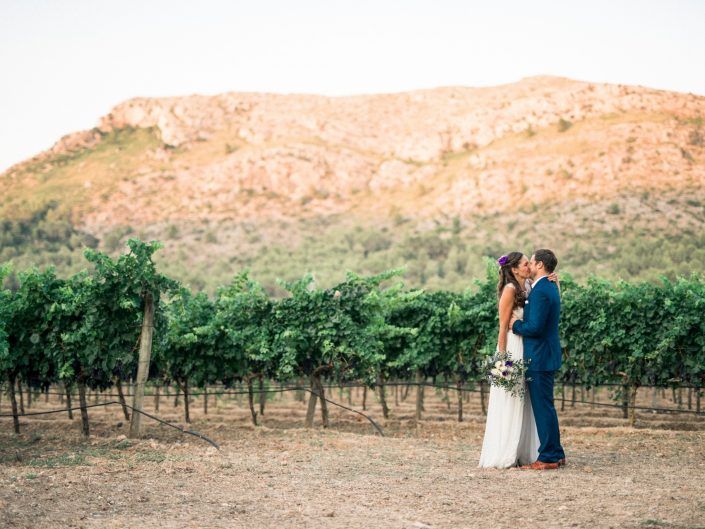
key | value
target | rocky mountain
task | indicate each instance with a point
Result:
(431, 180)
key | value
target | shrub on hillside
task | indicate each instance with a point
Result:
(563, 125)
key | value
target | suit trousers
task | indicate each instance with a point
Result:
(541, 393)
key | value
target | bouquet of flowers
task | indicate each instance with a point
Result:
(506, 373)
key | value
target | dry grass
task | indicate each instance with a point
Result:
(77, 178)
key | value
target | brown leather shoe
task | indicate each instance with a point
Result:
(561, 462)
(540, 465)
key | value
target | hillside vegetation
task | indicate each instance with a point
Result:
(611, 177)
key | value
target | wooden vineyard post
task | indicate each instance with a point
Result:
(324, 404)
(690, 398)
(121, 397)
(460, 401)
(317, 392)
(21, 394)
(562, 396)
(67, 390)
(632, 400)
(300, 394)
(157, 389)
(625, 401)
(572, 399)
(382, 396)
(251, 400)
(84, 409)
(482, 397)
(311, 404)
(187, 402)
(143, 365)
(13, 401)
(262, 396)
(419, 395)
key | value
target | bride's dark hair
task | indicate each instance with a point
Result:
(506, 276)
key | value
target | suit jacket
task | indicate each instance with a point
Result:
(542, 345)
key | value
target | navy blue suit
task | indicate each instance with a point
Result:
(543, 355)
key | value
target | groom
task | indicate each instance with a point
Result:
(542, 352)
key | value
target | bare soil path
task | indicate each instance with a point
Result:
(281, 475)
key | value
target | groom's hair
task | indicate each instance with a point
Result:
(548, 258)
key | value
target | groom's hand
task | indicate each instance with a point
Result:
(511, 322)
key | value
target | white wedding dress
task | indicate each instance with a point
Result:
(511, 437)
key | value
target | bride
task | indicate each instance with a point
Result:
(511, 437)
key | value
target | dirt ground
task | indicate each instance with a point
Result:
(281, 475)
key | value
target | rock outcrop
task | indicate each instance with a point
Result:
(448, 150)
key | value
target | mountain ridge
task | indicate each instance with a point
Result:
(405, 162)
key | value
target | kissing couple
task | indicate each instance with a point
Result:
(522, 430)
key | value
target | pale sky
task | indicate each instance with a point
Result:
(65, 63)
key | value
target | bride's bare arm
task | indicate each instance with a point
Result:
(506, 304)
(553, 276)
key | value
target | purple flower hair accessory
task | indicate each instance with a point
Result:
(503, 260)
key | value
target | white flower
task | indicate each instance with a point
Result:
(498, 364)
(496, 372)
